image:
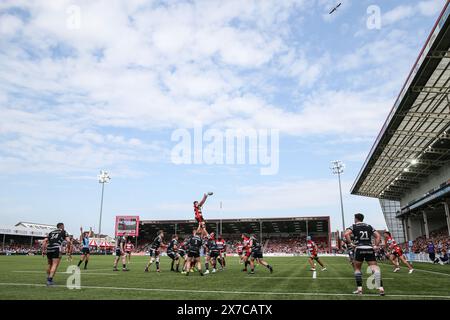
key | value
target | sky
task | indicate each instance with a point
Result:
(106, 85)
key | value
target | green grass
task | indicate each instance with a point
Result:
(23, 277)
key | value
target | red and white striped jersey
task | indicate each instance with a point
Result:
(311, 247)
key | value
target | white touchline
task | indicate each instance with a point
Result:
(435, 272)
(321, 278)
(230, 292)
(83, 273)
(92, 270)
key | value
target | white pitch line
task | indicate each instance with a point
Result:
(82, 273)
(321, 278)
(91, 270)
(435, 272)
(231, 292)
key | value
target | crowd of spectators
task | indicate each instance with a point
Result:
(27, 249)
(21, 249)
(439, 238)
(294, 245)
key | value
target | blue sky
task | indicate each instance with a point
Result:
(86, 86)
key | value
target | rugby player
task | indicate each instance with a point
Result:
(349, 249)
(396, 253)
(364, 251)
(129, 247)
(172, 253)
(221, 245)
(212, 253)
(313, 251)
(199, 215)
(51, 246)
(247, 251)
(85, 251)
(257, 254)
(182, 252)
(69, 249)
(194, 245)
(240, 249)
(120, 252)
(154, 251)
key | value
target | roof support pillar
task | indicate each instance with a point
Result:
(405, 228)
(447, 215)
(408, 228)
(307, 232)
(425, 224)
(260, 231)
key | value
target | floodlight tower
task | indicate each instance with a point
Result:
(337, 167)
(103, 178)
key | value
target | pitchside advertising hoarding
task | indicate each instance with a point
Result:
(128, 225)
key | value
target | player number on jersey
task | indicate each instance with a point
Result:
(363, 235)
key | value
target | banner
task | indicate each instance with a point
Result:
(128, 225)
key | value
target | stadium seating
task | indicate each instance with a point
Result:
(440, 239)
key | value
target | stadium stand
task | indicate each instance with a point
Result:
(407, 168)
(279, 235)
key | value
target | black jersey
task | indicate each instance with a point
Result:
(362, 234)
(194, 244)
(256, 245)
(183, 248)
(119, 241)
(55, 239)
(171, 247)
(156, 243)
(186, 241)
(212, 245)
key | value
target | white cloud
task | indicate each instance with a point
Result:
(300, 194)
(166, 67)
(402, 12)
(9, 25)
(298, 66)
(296, 197)
(397, 14)
(431, 7)
(277, 196)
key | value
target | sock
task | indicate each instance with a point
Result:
(124, 266)
(268, 266)
(85, 263)
(157, 265)
(171, 267)
(378, 279)
(358, 278)
(79, 263)
(207, 265)
(178, 266)
(224, 263)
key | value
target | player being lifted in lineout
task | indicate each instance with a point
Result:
(199, 216)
